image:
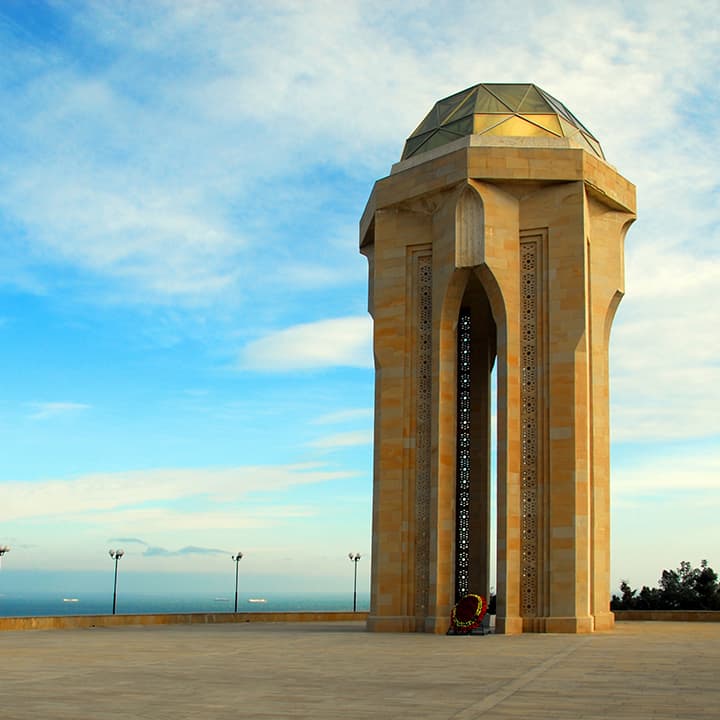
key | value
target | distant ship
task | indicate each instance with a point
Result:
(257, 600)
(70, 600)
(221, 599)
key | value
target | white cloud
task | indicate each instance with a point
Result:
(125, 491)
(138, 176)
(49, 410)
(675, 471)
(326, 343)
(152, 237)
(665, 377)
(161, 520)
(343, 416)
(306, 276)
(128, 176)
(344, 439)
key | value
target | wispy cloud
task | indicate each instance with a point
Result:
(325, 343)
(682, 471)
(129, 491)
(49, 410)
(154, 205)
(188, 550)
(267, 511)
(665, 376)
(344, 439)
(106, 176)
(344, 416)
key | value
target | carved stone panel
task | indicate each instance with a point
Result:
(529, 249)
(423, 420)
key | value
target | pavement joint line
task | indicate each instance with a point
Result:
(475, 711)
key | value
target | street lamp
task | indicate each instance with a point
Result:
(3, 549)
(354, 558)
(115, 555)
(236, 558)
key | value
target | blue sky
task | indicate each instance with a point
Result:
(186, 356)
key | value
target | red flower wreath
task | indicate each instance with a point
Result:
(468, 614)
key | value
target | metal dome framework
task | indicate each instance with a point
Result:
(509, 110)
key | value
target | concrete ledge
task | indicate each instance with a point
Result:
(668, 615)
(69, 622)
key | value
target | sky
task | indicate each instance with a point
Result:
(186, 365)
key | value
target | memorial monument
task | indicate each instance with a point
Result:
(496, 241)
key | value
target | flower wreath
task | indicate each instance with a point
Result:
(468, 614)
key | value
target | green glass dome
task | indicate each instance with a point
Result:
(509, 110)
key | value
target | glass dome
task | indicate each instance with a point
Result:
(510, 110)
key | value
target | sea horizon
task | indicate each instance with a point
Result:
(51, 603)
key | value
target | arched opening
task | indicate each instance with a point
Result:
(475, 497)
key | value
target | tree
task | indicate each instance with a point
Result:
(686, 588)
(707, 588)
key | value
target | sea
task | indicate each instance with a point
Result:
(34, 604)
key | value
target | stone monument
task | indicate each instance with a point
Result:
(496, 241)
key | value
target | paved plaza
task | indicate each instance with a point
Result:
(640, 671)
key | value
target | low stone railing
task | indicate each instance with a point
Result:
(668, 615)
(68, 622)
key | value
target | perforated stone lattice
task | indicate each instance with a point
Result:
(529, 430)
(462, 497)
(423, 381)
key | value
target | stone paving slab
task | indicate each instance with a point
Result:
(643, 671)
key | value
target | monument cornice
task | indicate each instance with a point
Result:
(512, 162)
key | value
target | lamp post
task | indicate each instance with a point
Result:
(3, 549)
(236, 558)
(115, 555)
(354, 558)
